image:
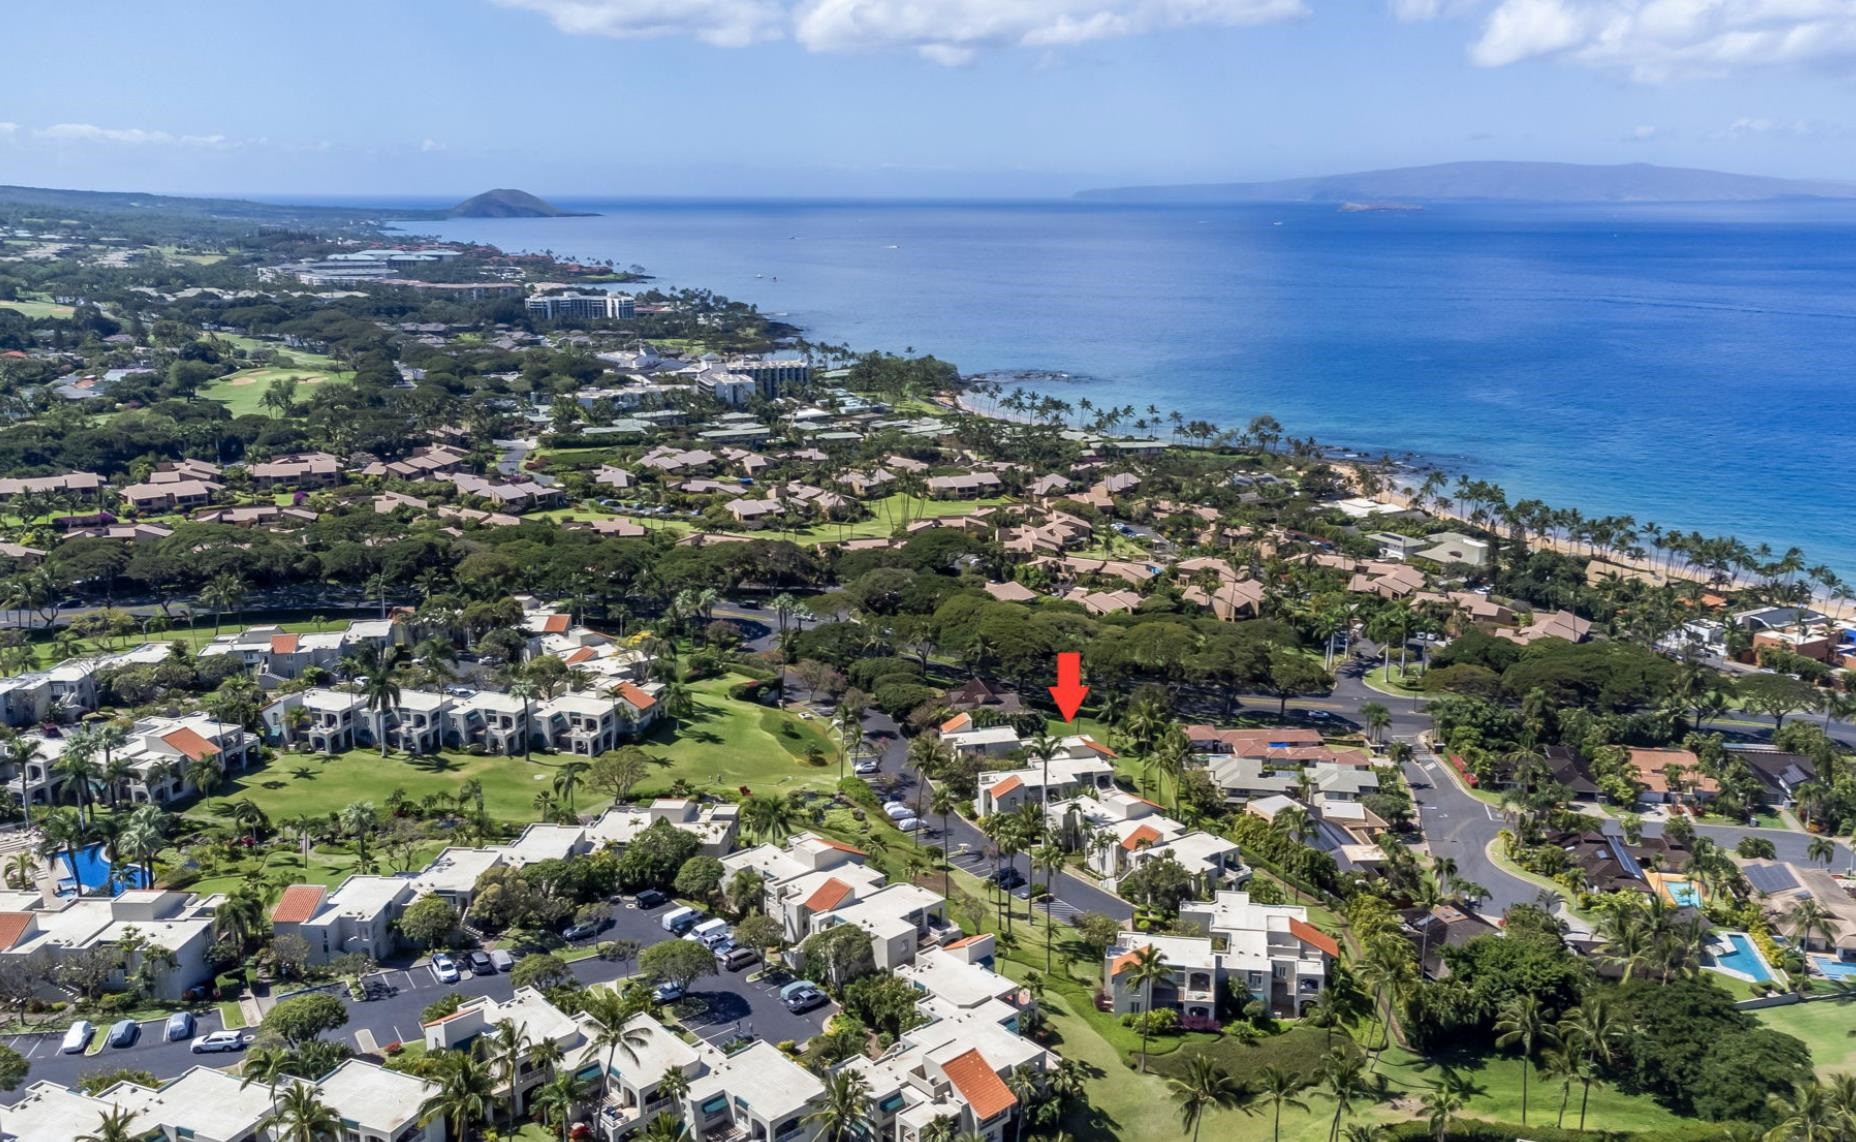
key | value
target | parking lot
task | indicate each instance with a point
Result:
(725, 1006)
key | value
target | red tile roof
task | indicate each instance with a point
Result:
(1091, 743)
(283, 644)
(13, 925)
(1123, 962)
(298, 903)
(839, 845)
(191, 744)
(827, 896)
(980, 1085)
(638, 698)
(554, 624)
(1310, 935)
(964, 941)
(956, 723)
(1007, 786)
(1145, 835)
(579, 656)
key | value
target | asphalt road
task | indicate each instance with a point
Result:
(732, 1006)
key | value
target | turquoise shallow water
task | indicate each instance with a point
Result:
(1691, 366)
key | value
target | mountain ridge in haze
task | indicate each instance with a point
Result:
(1484, 181)
(507, 203)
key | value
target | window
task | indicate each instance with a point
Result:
(715, 1105)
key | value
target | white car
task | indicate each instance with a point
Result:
(219, 1041)
(897, 811)
(78, 1037)
(445, 968)
(909, 824)
(865, 767)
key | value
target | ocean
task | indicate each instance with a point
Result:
(1691, 366)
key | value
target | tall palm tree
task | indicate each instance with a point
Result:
(466, 1094)
(944, 804)
(664, 1128)
(1341, 1078)
(525, 688)
(609, 1008)
(1592, 1032)
(267, 1065)
(302, 1116)
(63, 829)
(567, 783)
(359, 820)
(1821, 849)
(381, 694)
(844, 1114)
(1148, 968)
(1447, 1096)
(1523, 1023)
(1278, 1088)
(1204, 1085)
(769, 817)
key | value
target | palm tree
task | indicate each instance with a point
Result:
(62, 829)
(567, 781)
(267, 1065)
(21, 869)
(525, 688)
(664, 1128)
(1204, 1085)
(1821, 848)
(116, 1125)
(1808, 1115)
(1278, 1088)
(1377, 717)
(1447, 1096)
(849, 726)
(1339, 1077)
(557, 1098)
(944, 805)
(359, 820)
(381, 693)
(18, 752)
(1148, 968)
(466, 1094)
(1592, 1033)
(223, 594)
(844, 1115)
(302, 1116)
(609, 1008)
(1524, 1024)
(1808, 917)
(769, 817)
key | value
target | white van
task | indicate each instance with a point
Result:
(78, 1037)
(678, 920)
(708, 933)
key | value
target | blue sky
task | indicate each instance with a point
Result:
(749, 98)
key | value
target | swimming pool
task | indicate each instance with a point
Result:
(93, 872)
(1833, 968)
(1685, 893)
(1743, 960)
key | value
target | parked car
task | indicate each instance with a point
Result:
(502, 961)
(708, 932)
(124, 1033)
(78, 1037)
(736, 958)
(896, 811)
(481, 963)
(179, 1026)
(220, 1041)
(865, 766)
(581, 931)
(667, 992)
(445, 968)
(1007, 877)
(801, 996)
(679, 920)
(650, 898)
(909, 824)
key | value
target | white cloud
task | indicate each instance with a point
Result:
(1416, 11)
(129, 136)
(9, 128)
(430, 145)
(725, 23)
(1643, 134)
(1760, 126)
(1657, 40)
(948, 32)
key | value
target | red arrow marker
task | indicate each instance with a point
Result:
(1069, 690)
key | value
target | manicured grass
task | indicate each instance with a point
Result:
(242, 392)
(328, 866)
(195, 635)
(231, 1016)
(39, 309)
(887, 516)
(1823, 1026)
(730, 743)
(1497, 1080)
(305, 783)
(1391, 680)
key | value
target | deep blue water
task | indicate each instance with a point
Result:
(1690, 366)
(94, 871)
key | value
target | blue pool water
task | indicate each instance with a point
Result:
(1834, 968)
(1684, 893)
(94, 872)
(1744, 959)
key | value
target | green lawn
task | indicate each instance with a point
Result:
(242, 391)
(305, 783)
(1391, 680)
(886, 518)
(1824, 1026)
(329, 865)
(195, 634)
(729, 743)
(39, 309)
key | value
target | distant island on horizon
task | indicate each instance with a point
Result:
(1495, 182)
(508, 203)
